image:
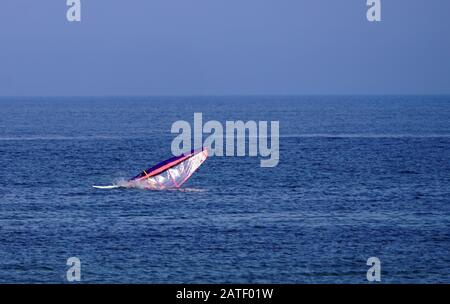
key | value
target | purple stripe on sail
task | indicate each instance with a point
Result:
(167, 162)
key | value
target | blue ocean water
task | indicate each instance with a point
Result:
(358, 177)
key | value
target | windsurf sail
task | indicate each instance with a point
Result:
(171, 173)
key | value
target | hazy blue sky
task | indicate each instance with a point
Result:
(160, 47)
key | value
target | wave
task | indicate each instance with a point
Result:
(56, 137)
(366, 135)
(305, 135)
(142, 185)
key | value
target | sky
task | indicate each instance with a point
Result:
(223, 47)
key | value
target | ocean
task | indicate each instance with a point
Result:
(358, 177)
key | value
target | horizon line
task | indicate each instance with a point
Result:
(230, 95)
